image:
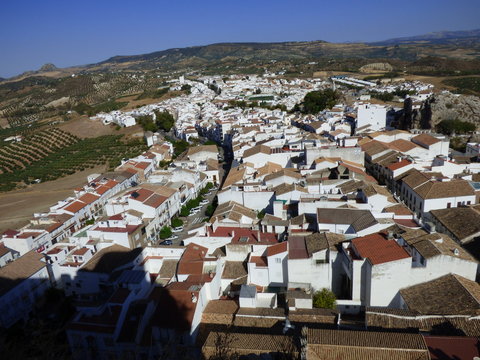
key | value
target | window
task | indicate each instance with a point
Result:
(449, 205)
(459, 204)
(320, 261)
(278, 260)
(469, 202)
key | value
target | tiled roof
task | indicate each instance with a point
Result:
(234, 270)
(297, 248)
(447, 189)
(387, 318)
(168, 269)
(75, 206)
(452, 347)
(277, 248)
(283, 172)
(435, 244)
(448, 295)
(21, 269)
(256, 150)
(358, 219)
(425, 139)
(399, 165)
(462, 222)
(378, 249)
(322, 241)
(260, 261)
(256, 343)
(368, 339)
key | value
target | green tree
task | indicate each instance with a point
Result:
(176, 222)
(164, 120)
(324, 299)
(456, 126)
(316, 101)
(165, 232)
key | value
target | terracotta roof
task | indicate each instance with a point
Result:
(81, 251)
(155, 201)
(398, 209)
(260, 261)
(141, 194)
(88, 198)
(425, 139)
(277, 248)
(447, 348)
(402, 145)
(297, 248)
(75, 206)
(378, 249)
(399, 165)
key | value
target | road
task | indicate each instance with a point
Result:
(194, 220)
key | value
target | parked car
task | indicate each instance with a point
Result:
(166, 242)
(204, 202)
(193, 212)
(198, 208)
(178, 229)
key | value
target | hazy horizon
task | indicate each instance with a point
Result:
(71, 34)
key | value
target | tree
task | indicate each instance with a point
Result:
(187, 88)
(165, 232)
(164, 120)
(176, 222)
(324, 299)
(456, 126)
(316, 101)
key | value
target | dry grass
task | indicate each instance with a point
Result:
(17, 207)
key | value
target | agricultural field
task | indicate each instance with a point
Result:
(466, 85)
(53, 153)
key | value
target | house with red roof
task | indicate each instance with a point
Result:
(376, 267)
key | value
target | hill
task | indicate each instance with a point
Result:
(435, 37)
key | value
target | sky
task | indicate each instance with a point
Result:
(78, 32)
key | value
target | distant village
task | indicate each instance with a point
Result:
(340, 202)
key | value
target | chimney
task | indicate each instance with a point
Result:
(390, 235)
(258, 235)
(456, 252)
(194, 298)
(233, 234)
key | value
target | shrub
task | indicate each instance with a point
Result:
(165, 232)
(176, 222)
(324, 299)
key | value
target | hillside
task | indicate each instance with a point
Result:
(47, 94)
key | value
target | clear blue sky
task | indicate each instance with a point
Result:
(76, 32)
